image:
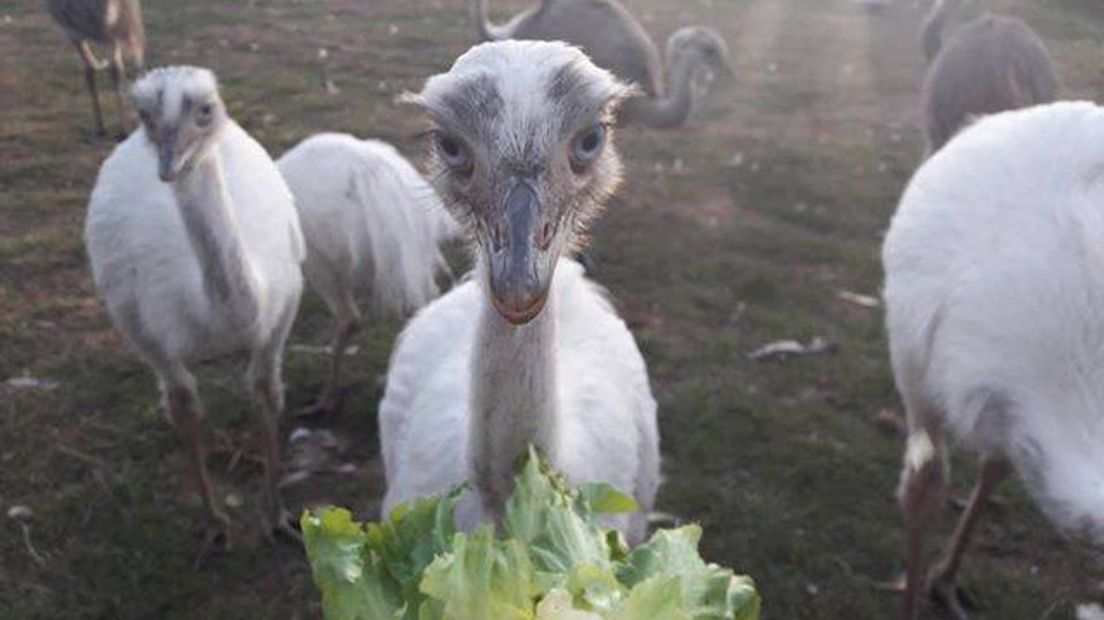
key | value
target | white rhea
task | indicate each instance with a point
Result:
(371, 222)
(995, 301)
(527, 351)
(202, 262)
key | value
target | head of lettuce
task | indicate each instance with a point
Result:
(550, 560)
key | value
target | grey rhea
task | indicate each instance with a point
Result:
(989, 64)
(614, 40)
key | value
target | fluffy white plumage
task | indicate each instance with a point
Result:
(607, 427)
(369, 219)
(995, 300)
(147, 272)
(202, 262)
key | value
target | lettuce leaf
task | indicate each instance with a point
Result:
(550, 560)
(354, 583)
(482, 578)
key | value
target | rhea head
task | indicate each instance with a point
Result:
(181, 113)
(522, 155)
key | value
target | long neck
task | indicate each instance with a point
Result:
(487, 30)
(514, 398)
(931, 34)
(212, 227)
(674, 108)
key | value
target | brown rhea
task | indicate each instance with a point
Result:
(116, 24)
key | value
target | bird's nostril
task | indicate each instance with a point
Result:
(545, 239)
(498, 234)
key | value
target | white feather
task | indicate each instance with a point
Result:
(147, 272)
(995, 299)
(607, 421)
(370, 221)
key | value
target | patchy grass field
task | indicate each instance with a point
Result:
(736, 231)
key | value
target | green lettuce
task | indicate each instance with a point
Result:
(550, 560)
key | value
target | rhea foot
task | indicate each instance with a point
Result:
(327, 405)
(216, 536)
(943, 590)
(284, 527)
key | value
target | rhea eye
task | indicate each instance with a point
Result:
(203, 116)
(587, 146)
(454, 153)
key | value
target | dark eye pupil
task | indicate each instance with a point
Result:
(590, 141)
(450, 147)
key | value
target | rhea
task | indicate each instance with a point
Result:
(114, 23)
(196, 250)
(371, 223)
(990, 64)
(527, 351)
(608, 33)
(995, 309)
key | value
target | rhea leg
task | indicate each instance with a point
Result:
(268, 390)
(186, 412)
(994, 470)
(117, 69)
(91, 66)
(347, 319)
(923, 497)
(339, 299)
(922, 493)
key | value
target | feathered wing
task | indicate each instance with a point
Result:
(995, 287)
(369, 215)
(609, 431)
(405, 229)
(608, 426)
(423, 417)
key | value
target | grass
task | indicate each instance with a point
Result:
(736, 231)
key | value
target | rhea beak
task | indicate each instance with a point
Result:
(166, 157)
(520, 262)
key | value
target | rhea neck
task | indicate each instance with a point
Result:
(514, 397)
(489, 31)
(673, 108)
(215, 236)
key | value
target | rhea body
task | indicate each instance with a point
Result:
(196, 249)
(614, 40)
(372, 226)
(987, 65)
(116, 24)
(995, 310)
(527, 351)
